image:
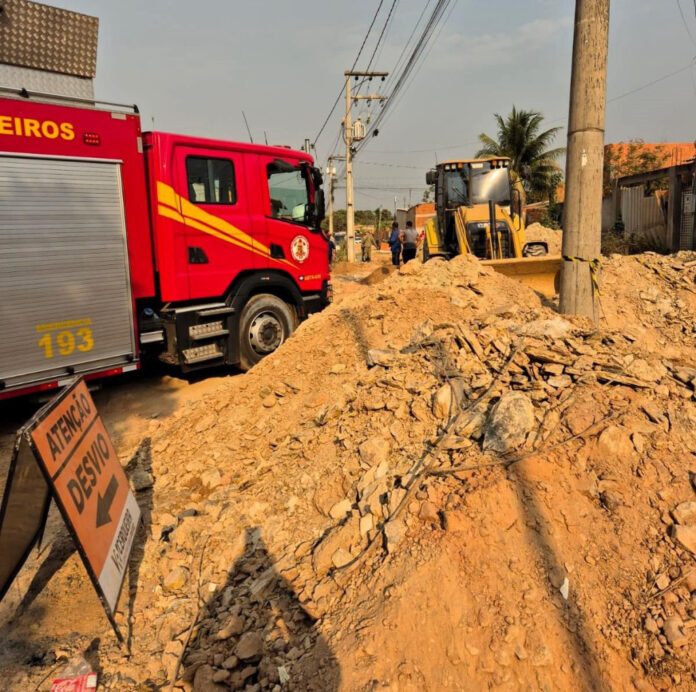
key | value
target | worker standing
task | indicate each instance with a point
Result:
(395, 244)
(367, 241)
(410, 242)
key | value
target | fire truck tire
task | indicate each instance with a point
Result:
(266, 322)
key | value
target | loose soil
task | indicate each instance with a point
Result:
(437, 483)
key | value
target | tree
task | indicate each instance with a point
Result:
(632, 158)
(428, 194)
(521, 138)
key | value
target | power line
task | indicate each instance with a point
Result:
(653, 82)
(355, 62)
(427, 32)
(686, 26)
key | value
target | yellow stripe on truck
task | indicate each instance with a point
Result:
(173, 206)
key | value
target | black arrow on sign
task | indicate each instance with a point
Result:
(105, 501)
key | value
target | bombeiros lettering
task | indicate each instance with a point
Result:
(30, 127)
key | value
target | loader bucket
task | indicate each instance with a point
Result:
(541, 274)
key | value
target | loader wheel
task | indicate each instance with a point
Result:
(266, 322)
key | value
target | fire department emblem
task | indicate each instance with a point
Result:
(299, 248)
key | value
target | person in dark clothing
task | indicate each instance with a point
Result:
(332, 249)
(410, 242)
(395, 244)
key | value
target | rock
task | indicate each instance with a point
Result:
(337, 538)
(610, 499)
(380, 356)
(337, 369)
(615, 442)
(673, 631)
(269, 401)
(341, 557)
(471, 424)
(685, 513)
(221, 675)
(428, 512)
(685, 536)
(250, 646)
(230, 662)
(340, 509)
(652, 371)
(650, 625)
(374, 451)
(443, 402)
(555, 328)
(141, 480)
(366, 524)
(211, 478)
(662, 582)
(394, 532)
(262, 586)
(176, 579)
(233, 627)
(509, 423)
(203, 680)
(329, 491)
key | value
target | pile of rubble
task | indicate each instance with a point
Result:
(437, 482)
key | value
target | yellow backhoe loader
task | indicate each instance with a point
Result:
(478, 211)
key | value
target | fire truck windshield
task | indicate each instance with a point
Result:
(289, 192)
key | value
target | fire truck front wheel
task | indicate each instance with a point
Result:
(266, 322)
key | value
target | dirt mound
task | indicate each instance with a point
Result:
(436, 483)
(537, 232)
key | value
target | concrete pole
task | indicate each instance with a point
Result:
(585, 157)
(350, 211)
(331, 196)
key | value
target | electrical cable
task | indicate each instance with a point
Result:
(440, 7)
(355, 62)
(686, 26)
(418, 68)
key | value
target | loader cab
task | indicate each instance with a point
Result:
(472, 185)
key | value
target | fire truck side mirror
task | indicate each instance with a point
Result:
(321, 205)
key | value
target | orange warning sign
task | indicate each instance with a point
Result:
(89, 485)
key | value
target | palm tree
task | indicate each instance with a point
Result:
(521, 139)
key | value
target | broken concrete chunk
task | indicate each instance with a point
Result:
(374, 451)
(340, 509)
(443, 402)
(380, 356)
(685, 536)
(685, 513)
(511, 420)
(394, 532)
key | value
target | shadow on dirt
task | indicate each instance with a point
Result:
(256, 629)
(580, 645)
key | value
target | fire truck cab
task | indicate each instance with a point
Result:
(114, 241)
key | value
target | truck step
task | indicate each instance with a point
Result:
(200, 354)
(214, 312)
(210, 335)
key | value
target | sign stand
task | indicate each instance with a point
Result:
(65, 452)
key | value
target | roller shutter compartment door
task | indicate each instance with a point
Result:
(65, 295)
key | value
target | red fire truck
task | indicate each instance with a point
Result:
(114, 242)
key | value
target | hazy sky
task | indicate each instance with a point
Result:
(193, 67)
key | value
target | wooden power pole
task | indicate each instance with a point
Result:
(582, 230)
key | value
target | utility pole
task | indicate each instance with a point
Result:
(331, 172)
(582, 230)
(350, 137)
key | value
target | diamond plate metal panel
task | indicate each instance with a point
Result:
(46, 82)
(48, 38)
